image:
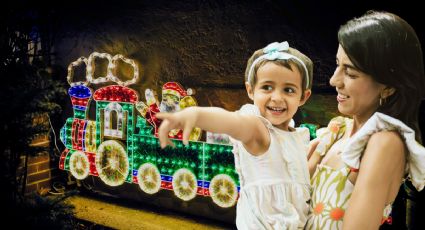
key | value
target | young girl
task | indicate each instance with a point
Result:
(270, 156)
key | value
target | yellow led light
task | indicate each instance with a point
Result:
(184, 184)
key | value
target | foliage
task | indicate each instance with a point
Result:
(43, 212)
(29, 95)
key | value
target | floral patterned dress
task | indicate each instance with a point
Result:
(331, 187)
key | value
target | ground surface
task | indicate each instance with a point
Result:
(122, 215)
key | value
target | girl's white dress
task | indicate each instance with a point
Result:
(275, 186)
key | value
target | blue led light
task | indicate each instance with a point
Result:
(166, 178)
(83, 108)
(206, 184)
(80, 91)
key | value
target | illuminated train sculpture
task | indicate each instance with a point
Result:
(121, 145)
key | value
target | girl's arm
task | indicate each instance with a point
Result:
(380, 175)
(249, 129)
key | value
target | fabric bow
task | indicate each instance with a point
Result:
(272, 51)
(276, 47)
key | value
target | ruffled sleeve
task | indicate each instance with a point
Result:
(250, 109)
(415, 164)
(329, 135)
(304, 134)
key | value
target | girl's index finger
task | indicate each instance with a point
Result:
(163, 133)
(162, 116)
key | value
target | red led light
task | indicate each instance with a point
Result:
(115, 93)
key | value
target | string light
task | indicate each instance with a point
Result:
(91, 67)
(184, 184)
(149, 178)
(71, 67)
(79, 165)
(116, 93)
(80, 99)
(131, 62)
(120, 146)
(112, 163)
(223, 191)
(119, 131)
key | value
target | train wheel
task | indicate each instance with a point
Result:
(79, 165)
(184, 184)
(223, 191)
(149, 178)
(112, 163)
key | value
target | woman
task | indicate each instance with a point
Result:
(357, 165)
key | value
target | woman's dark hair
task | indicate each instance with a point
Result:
(386, 47)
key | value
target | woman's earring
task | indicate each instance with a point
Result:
(381, 101)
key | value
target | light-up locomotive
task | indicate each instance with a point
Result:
(121, 145)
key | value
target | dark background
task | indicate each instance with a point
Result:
(203, 45)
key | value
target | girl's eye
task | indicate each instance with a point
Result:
(289, 90)
(267, 87)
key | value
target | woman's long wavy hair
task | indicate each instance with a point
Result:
(387, 48)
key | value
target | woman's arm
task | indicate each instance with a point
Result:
(380, 175)
(249, 129)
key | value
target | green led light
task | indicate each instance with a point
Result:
(312, 129)
(207, 148)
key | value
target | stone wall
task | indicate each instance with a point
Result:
(203, 45)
